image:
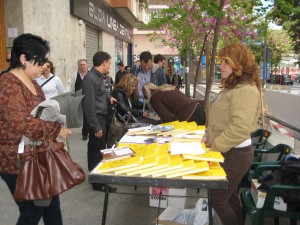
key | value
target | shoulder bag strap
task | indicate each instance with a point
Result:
(47, 80)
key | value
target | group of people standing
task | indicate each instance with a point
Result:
(232, 117)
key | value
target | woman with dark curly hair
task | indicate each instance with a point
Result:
(233, 116)
(19, 95)
(50, 84)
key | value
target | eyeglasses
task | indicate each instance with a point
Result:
(7, 60)
(40, 61)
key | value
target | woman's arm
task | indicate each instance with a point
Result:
(15, 111)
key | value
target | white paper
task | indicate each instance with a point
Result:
(122, 151)
(137, 139)
(177, 148)
(21, 145)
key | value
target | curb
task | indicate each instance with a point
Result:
(282, 130)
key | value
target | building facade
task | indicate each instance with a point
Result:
(76, 29)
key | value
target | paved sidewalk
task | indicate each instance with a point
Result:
(83, 206)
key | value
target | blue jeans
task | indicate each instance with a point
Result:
(31, 214)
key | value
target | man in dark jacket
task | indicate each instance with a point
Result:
(82, 71)
(95, 109)
(121, 72)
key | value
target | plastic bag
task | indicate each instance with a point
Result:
(195, 216)
(201, 217)
(186, 216)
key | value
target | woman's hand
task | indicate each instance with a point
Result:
(145, 114)
(113, 101)
(205, 141)
(99, 134)
(64, 132)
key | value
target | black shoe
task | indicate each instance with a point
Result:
(102, 188)
(84, 138)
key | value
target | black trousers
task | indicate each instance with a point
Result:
(85, 129)
(95, 144)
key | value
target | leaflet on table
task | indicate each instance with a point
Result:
(197, 167)
(188, 137)
(146, 163)
(177, 148)
(117, 153)
(139, 139)
(111, 166)
(187, 165)
(142, 149)
(209, 155)
(170, 163)
(152, 129)
(144, 139)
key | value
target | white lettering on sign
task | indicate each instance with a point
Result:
(100, 16)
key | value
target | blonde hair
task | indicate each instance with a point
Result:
(149, 89)
(126, 82)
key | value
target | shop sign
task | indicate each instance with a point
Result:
(102, 16)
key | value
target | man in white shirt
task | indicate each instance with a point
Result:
(82, 71)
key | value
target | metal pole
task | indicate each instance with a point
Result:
(187, 74)
(265, 54)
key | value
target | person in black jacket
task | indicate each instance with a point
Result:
(126, 94)
(121, 72)
(82, 71)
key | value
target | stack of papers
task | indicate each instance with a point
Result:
(177, 153)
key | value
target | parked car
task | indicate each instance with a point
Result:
(284, 79)
(287, 79)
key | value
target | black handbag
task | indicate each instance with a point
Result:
(118, 127)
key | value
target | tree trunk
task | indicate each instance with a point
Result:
(199, 66)
(212, 59)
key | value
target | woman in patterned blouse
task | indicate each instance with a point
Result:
(19, 95)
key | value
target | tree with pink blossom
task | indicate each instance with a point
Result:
(196, 26)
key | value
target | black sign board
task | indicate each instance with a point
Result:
(101, 15)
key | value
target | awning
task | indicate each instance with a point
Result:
(128, 16)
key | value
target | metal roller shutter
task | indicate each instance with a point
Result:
(92, 44)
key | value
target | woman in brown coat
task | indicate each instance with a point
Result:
(171, 104)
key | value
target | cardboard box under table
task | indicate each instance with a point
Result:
(163, 197)
(157, 182)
